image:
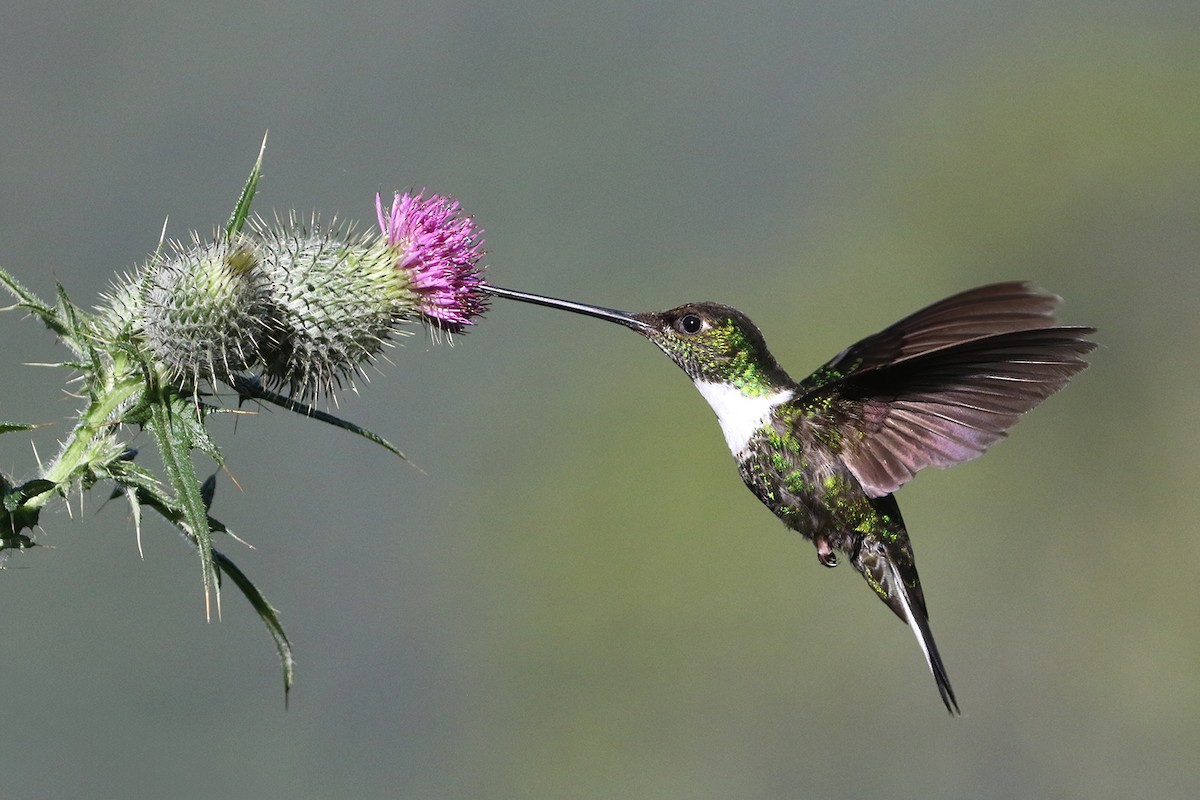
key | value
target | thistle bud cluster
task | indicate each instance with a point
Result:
(283, 311)
(307, 305)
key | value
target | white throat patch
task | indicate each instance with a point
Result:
(740, 416)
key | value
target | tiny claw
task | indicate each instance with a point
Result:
(826, 554)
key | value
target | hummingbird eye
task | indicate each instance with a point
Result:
(690, 323)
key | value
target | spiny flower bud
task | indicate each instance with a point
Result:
(204, 310)
(121, 311)
(334, 299)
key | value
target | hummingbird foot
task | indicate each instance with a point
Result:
(826, 554)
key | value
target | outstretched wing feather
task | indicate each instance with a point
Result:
(946, 406)
(983, 311)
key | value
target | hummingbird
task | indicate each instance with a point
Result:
(827, 453)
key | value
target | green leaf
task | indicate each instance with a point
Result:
(129, 475)
(27, 298)
(151, 497)
(173, 436)
(269, 616)
(242, 210)
(32, 302)
(64, 318)
(15, 515)
(32, 488)
(77, 325)
(252, 389)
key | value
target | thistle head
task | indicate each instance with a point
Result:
(334, 303)
(309, 304)
(435, 253)
(201, 309)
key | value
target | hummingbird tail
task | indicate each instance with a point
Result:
(889, 568)
(914, 614)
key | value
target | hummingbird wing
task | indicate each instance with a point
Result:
(941, 386)
(982, 311)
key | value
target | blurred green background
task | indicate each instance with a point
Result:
(577, 598)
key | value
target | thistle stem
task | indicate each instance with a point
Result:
(84, 449)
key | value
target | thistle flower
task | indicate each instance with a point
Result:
(311, 304)
(338, 298)
(436, 252)
(308, 306)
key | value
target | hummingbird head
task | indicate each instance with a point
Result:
(714, 343)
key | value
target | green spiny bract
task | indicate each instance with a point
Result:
(201, 311)
(205, 310)
(121, 311)
(336, 298)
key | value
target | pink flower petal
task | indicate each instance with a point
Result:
(439, 249)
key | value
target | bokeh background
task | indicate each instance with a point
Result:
(575, 597)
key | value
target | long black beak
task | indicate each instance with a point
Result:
(610, 314)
